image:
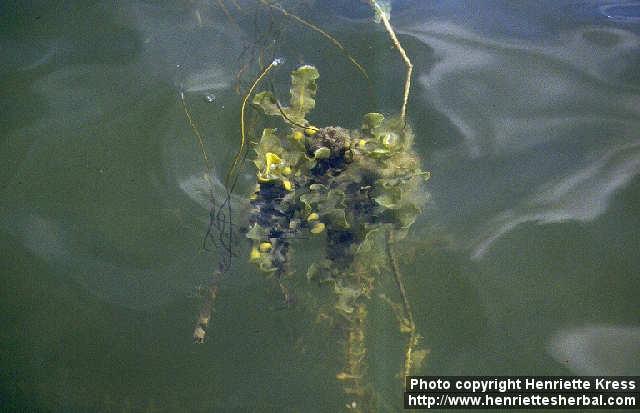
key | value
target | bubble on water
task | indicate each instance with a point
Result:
(210, 98)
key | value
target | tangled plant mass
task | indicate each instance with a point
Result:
(360, 189)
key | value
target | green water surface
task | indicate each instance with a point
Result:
(525, 261)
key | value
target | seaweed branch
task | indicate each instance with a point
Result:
(204, 315)
(226, 12)
(358, 190)
(230, 179)
(407, 324)
(329, 37)
(382, 15)
(200, 137)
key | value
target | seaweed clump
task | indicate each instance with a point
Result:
(360, 189)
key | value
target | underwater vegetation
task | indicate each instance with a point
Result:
(523, 259)
(358, 190)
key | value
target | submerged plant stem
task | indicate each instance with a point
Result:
(204, 316)
(226, 12)
(329, 37)
(408, 313)
(230, 178)
(353, 376)
(403, 53)
(203, 150)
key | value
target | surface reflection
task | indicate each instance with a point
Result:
(598, 350)
(536, 134)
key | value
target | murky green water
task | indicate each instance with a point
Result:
(525, 261)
